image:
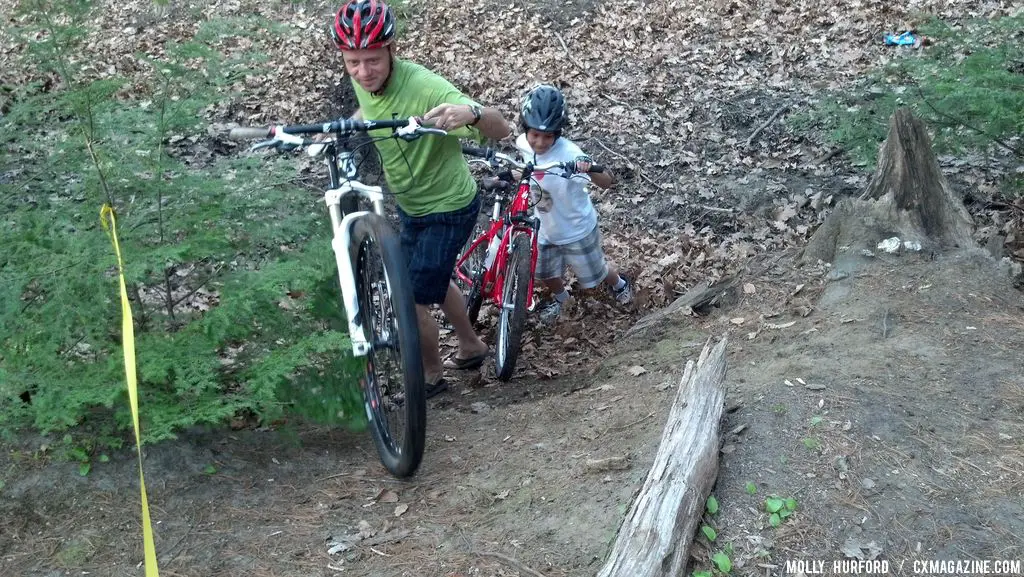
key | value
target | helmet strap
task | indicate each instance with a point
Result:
(391, 70)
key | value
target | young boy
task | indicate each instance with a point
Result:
(568, 222)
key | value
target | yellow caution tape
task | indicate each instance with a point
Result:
(109, 222)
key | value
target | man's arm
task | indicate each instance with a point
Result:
(491, 122)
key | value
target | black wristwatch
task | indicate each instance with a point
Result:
(477, 113)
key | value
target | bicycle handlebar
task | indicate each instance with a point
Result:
(485, 153)
(288, 136)
(247, 132)
(342, 125)
(492, 156)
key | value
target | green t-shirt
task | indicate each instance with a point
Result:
(428, 175)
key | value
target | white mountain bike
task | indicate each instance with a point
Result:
(375, 288)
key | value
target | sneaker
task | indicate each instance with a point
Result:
(624, 295)
(550, 312)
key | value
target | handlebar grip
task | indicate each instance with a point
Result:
(495, 184)
(570, 167)
(476, 151)
(249, 132)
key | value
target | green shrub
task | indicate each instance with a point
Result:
(967, 84)
(228, 264)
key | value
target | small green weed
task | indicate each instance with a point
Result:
(712, 505)
(779, 509)
(709, 532)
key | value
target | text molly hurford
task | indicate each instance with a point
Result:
(918, 566)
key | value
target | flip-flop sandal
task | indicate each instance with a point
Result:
(434, 389)
(468, 364)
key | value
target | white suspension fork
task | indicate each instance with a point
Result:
(341, 244)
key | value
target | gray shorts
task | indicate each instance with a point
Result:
(584, 256)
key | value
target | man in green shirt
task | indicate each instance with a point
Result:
(436, 194)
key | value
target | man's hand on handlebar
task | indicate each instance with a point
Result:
(450, 116)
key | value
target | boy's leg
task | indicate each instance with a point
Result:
(612, 278)
(554, 285)
(550, 265)
(587, 260)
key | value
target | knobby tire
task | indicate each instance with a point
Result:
(513, 309)
(375, 243)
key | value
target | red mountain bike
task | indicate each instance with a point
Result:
(499, 264)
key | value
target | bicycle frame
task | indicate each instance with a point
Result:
(505, 227)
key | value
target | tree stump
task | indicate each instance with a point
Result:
(655, 537)
(908, 197)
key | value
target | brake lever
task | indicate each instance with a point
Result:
(414, 130)
(272, 143)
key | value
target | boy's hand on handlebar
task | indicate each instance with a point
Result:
(449, 116)
(583, 165)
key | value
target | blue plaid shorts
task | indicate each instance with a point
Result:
(432, 244)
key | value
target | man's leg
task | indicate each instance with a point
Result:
(429, 349)
(454, 307)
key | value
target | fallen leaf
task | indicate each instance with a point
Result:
(858, 548)
(669, 260)
(401, 509)
(607, 464)
(636, 370)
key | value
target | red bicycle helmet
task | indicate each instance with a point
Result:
(363, 25)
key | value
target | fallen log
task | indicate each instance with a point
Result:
(699, 298)
(655, 537)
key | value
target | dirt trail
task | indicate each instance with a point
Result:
(892, 413)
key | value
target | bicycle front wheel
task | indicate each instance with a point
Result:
(513, 307)
(393, 383)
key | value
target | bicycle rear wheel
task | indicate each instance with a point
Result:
(513, 307)
(474, 269)
(393, 386)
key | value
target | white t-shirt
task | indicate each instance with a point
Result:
(562, 204)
